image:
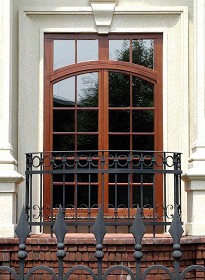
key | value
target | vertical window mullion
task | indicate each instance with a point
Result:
(75, 115)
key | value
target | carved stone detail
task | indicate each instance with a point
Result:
(103, 13)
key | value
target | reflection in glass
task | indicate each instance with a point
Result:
(87, 120)
(143, 120)
(63, 143)
(119, 90)
(118, 196)
(63, 120)
(63, 53)
(143, 142)
(58, 196)
(143, 52)
(87, 50)
(119, 120)
(87, 196)
(87, 142)
(147, 195)
(142, 93)
(64, 93)
(87, 90)
(119, 142)
(119, 50)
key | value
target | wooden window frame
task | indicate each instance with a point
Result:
(102, 66)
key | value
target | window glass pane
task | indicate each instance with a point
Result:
(86, 177)
(143, 120)
(58, 196)
(63, 120)
(59, 177)
(87, 90)
(119, 120)
(143, 52)
(147, 196)
(87, 196)
(87, 142)
(143, 142)
(63, 142)
(64, 93)
(145, 178)
(63, 53)
(120, 178)
(87, 50)
(87, 120)
(142, 93)
(119, 142)
(119, 90)
(118, 196)
(119, 50)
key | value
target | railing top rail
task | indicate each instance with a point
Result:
(108, 160)
(117, 151)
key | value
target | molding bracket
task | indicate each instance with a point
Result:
(103, 12)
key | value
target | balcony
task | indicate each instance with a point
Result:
(116, 181)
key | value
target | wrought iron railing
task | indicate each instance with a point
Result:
(99, 272)
(116, 181)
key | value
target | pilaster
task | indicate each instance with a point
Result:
(9, 177)
(195, 176)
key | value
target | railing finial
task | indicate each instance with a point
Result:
(176, 229)
(99, 229)
(138, 229)
(59, 227)
(22, 229)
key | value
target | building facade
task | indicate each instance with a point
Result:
(35, 37)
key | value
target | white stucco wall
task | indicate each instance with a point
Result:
(175, 18)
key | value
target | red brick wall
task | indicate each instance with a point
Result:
(118, 249)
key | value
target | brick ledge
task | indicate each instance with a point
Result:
(110, 238)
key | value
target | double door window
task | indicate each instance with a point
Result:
(102, 93)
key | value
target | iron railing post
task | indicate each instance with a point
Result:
(22, 231)
(176, 231)
(138, 231)
(60, 231)
(99, 231)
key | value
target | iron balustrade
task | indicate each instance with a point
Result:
(115, 181)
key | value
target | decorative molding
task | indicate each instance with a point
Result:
(103, 13)
(131, 10)
(10, 177)
(52, 10)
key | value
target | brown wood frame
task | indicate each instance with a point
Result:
(102, 66)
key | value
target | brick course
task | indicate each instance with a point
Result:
(118, 249)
